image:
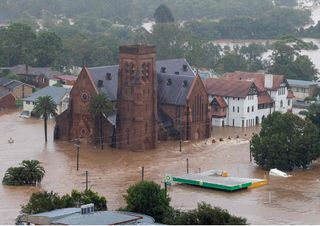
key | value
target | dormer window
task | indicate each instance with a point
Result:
(185, 67)
(177, 72)
(108, 76)
(185, 83)
(169, 81)
(100, 83)
(163, 69)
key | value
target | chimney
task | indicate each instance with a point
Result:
(268, 81)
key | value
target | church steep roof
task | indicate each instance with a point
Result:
(174, 93)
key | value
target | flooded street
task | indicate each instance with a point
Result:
(294, 200)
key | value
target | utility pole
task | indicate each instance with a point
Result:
(180, 128)
(142, 173)
(77, 144)
(187, 166)
(250, 152)
(87, 180)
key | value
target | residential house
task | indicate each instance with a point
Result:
(7, 100)
(19, 89)
(302, 89)
(59, 95)
(154, 100)
(36, 76)
(85, 215)
(233, 103)
(244, 99)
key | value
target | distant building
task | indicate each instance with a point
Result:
(154, 100)
(36, 76)
(67, 81)
(59, 95)
(244, 99)
(7, 101)
(19, 89)
(302, 89)
(85, 215)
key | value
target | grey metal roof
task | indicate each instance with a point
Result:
(174, 65)
(36, 71)
(174, 94)
(101, 218)
(11, 83)
(173, 89)
(57, 93)
(59, 213)
(301, 83)
(3, 93)
(110, 86)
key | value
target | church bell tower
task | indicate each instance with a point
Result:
(136, 127)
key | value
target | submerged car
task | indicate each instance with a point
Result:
(25, 114)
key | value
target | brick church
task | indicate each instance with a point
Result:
(155, 100)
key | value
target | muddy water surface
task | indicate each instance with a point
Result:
(294, 200)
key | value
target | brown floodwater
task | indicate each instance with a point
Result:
(294, 200)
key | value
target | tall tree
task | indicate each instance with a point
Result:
(32, 170)
(147, 197)
(45, 107)
(163, 14)
(100, 107)
(49, 48)
(286, 142)
(286, 60)
(19, 44)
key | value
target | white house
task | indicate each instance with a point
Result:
(59, 95)
(244, 99)
(233, 103)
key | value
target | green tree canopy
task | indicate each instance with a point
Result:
(148, 198)
(205, 214)
(231, 62)
(100, 107)
(314, 114)
(163, 14)
(30, 172)
(286, 60)
(286, 142)
(47, 201)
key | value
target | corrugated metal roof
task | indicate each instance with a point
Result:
(57, 93)
(175, 93)
(301, 83)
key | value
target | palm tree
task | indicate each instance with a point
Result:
(100, 106)
(45, 106)
(33, 172)
(13, 176)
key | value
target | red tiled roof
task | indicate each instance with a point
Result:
(265, 98)
(66, 77)
(258, 79)
(290, 94)
(227, 87)
(222, 103)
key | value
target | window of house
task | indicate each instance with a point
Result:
(238, 109)
(252, 108)
(281, 103)
(289, 102)
(233, 108)
(248, 109)
(27, 102)
(238, 98)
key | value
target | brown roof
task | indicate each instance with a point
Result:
(222, 103)
(227, 87)
(257, 77)
(265, 98)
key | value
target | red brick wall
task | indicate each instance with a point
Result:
(7, 102)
